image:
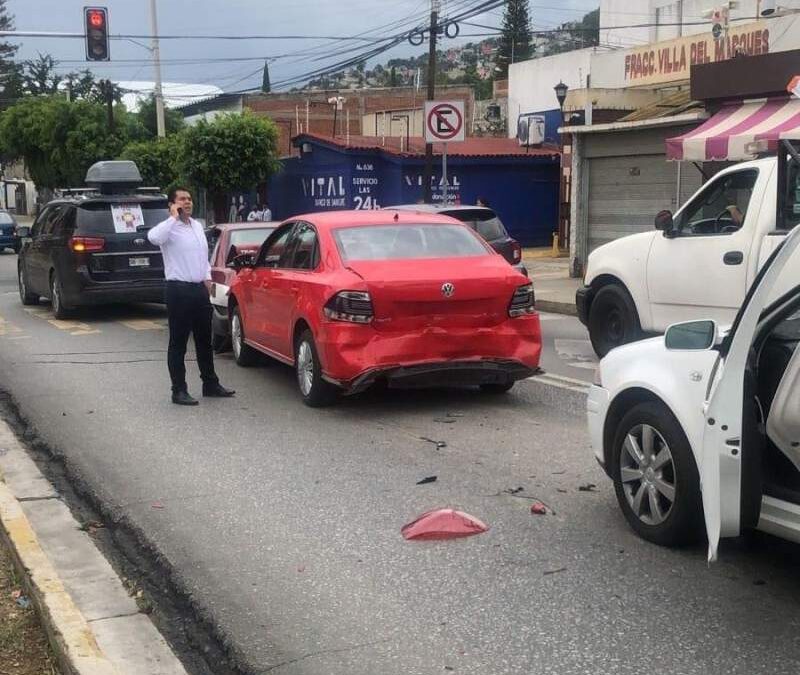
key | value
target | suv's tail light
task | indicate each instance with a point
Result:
(522, 301)
(516, 252)
(86, 244)
(352, 306)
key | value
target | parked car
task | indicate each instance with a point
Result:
(230, 240)
(8, 232)
(696, 264)
(352, 297)
(90, 247)
(484, 221)
(704, 423)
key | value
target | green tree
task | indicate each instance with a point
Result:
(158, 160)
(10, 83)
(266, 87)
(59, 140)
(39, 75)
(515, 40)
(173, 120)
(233, 152)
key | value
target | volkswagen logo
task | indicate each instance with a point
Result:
(139, 242)
(448, 290)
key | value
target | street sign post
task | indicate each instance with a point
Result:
(444, 123)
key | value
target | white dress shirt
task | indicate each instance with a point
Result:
(184, 248)
(255, 215)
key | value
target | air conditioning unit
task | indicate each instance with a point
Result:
(530, 129)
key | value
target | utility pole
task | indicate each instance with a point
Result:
(157, 63)
(428, 173)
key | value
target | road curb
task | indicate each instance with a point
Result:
(564, 393)
(556, 307)
(70, 636)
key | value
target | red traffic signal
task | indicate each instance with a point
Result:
(96, 18)
(96, 22)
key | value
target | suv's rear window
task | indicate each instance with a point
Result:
(484, 221)
(398, 242)
(96, 217)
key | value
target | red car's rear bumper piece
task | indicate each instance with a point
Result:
(354, 356)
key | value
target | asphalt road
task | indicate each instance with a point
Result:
(283, 523)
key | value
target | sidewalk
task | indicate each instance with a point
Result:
(555, 290)
(94, 626)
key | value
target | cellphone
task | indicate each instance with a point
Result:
(180, 213)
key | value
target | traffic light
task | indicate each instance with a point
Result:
(96, 20)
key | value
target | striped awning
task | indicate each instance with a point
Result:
(730, 134)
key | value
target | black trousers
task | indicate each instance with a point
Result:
(189, 311)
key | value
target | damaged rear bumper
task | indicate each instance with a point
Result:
(442, 374)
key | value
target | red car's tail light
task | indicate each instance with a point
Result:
(352, 306)
(522, 302)
(86, 244)
(516, 251)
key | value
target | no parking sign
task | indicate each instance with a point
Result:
(444, 121)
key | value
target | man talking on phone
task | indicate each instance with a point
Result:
(185, 251)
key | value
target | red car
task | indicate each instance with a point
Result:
(229, 240)
(352, 297)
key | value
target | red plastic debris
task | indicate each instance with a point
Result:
(157, 505)
(443, 524)
(539, 509)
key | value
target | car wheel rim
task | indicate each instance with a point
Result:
(236, 336)
(647, 473)
(615, 327)
(56, 299)
(305, 368)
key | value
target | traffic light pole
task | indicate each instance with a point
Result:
(427, 176)
(157, 63)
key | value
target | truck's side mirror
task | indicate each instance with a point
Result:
(664, 222)
(692, 336)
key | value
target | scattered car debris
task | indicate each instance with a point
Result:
(539, 509)
(443, 524)
(444, 420)
(759, 582)
(558, 571)
(428, 479)
(589, 487)
(561, 490)
(157, 505)
(514, 491)
(439, 444)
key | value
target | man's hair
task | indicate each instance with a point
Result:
(173, 193)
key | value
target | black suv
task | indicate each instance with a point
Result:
(90, 246)
(484, 221)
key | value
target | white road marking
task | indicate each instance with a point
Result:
(577, 353)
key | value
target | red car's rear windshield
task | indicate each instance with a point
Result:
(407, 241)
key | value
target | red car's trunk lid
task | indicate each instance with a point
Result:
(459, 293)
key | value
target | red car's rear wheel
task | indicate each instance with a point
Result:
(316, 392)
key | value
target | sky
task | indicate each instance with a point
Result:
(193, 60)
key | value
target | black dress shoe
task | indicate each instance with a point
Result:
(183, 398)
(217, 391)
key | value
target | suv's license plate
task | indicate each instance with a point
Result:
(139, 262)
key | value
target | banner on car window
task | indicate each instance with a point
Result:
(127, 217)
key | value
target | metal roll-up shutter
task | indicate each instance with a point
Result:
(630, 181)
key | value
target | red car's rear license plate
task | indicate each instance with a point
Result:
(139, 262)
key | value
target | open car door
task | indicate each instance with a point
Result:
(726, 484)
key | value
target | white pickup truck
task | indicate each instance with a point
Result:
(697, 264)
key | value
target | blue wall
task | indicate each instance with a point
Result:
(523, 190)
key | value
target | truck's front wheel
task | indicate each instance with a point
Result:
(613, 319)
